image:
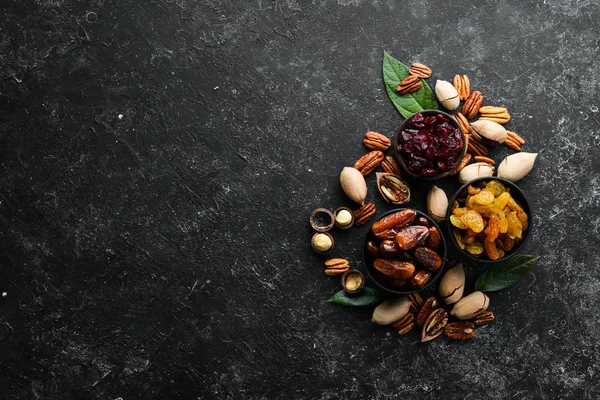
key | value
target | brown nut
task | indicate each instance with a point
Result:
(496, 114)
(410, 84)
(420, 70)
(460, 330)
(434, 325)
(472, 104)
(484, 318)
(367, 163)
(364, 213)
(336, 266)
(463, 122)
(462, 85)
(417, 302)
(393, 189)
(391, 166)
(428, 306)
(353, 281)
(322, 220)
(405, 324)
(376, 141)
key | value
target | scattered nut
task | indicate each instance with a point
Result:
(470, 305)
(452, 285)
(354, 185)
(391, 310)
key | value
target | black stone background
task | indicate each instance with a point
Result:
(160, 159)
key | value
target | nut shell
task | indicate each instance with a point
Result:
(452, 284)
(337, 223)
(489, 132)
(447, 95)
(437, 204)
(470, 305)
(354, 185)
(317, 242)
(391, 310)
(353, 281)
(325, 214)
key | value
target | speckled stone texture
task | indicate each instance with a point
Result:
(159, 161)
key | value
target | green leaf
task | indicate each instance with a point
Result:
(367, 297)
(505, 273)
(407, 104)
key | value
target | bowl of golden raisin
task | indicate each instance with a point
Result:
(489, 219)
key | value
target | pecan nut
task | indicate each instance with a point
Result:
(420, 70)
(462, 85)
(428, 306)
(472, 104)
(393, 189)
(463, 122)
(463, 163)
(367, 163)
(376, 141)
(364, 213)
(515, 136)
(390, 165)
(405, 324)
(336, 266)
(417, 302)
(434, 325)
(410, 84)
(460, 330)
(484, 318)
(496, 114)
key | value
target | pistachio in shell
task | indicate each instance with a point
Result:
(353, 281)
(393, 189)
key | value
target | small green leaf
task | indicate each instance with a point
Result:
(506, 273)
(367, 297)
(407, 104)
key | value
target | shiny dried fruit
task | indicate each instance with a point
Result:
(493, 229)
(474, 248)
(484, 197)
(394, 221)
(428, 258)
(459, 238)
(435, 239)
(372, 248)
(490, 250)
(457, 222)
(496, 187)
(389, 249)
(515, 228)
(473, 220)
(409, 237)
(394, 268)
(419, 279)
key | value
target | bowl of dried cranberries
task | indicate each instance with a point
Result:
(429, 145)
(489, 219)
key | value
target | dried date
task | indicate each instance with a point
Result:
(428, 258)
(394, 268)
(394, 221)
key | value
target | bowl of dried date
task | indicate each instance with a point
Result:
(404, 251)
(489, 219)
(429, 145)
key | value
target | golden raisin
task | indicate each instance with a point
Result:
(484, 197)
(473, 220)
(490, 250)
(475, 248)
(457, 222)
(495, 187)
(493, 229)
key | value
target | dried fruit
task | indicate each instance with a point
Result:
(428, 258)
(437, 204)
(430, 144)
(394, 268)
(391, 310)
(472, 104)
(474, 171)
(391, 166)
(394, 221)
(410, 84)
(452, 284)
(376, 141)
(516, 166)
(447, 95)
(353, 281)
(489, 132)
(389, 249)
(435, 238)
(393, 189)
(367, 163)
(462, 85)
(419, 279)
(420, 70)
(434, 325)
(470, 305)
(460, 330)
(428, 306)
(372, 248)
(354, 185)
(409, 237)
(364, 213)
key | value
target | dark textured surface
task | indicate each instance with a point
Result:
(160, 159)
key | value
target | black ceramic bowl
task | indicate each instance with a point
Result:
(519, 197)
(368, 258)
(401, 160)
